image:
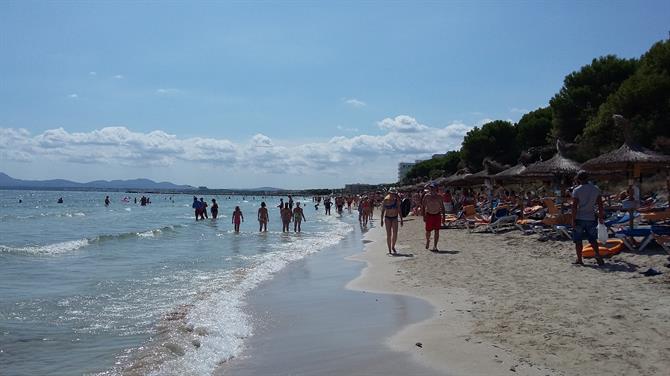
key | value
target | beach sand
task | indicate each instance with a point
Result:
(509, 304)
(307, 323)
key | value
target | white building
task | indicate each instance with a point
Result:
(403, 169)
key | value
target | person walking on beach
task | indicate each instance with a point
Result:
(585, 197)
(298, 217)
(285, 218)
(214, 209)
(238, 218)
(390, 214)
(263, 218)
(432, 207)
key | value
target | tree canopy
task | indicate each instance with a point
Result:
(584, 91)
(495, 140)
(580, 114)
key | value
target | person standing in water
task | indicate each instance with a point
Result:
(214, 209)
(196, 206)
(106, 200)
(238, 218)
(263, 218)
(298, 217)
(390, 214)
(203, 205)
(285, 218)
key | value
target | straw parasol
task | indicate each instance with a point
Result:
(491, 167)
(458, 178)
(630, 157)
(511, 173)
(556, 167)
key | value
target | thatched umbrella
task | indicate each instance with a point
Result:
(491, 167)
(630, 157)
(458, 178)
(557, 166)
(556, 169)
(511, 173)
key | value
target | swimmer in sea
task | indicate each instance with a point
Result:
(214, 209)
(285, 218)
(238, 218)
(298, 217)
(263, 217)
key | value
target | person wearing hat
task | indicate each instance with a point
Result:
(585, 197)
(390, 214)
(432, 208)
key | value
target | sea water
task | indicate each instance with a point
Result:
(130, 289)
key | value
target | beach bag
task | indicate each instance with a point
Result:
(602, 233)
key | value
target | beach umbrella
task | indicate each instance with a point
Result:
(556, 169)
(490, 169)
(630, 158)
(458, 178)
(510, 173)
(557, 166)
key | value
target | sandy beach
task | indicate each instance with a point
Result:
(510, 304)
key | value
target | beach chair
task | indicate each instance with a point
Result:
(501, 218)
(656, 216)
(472, 219)
(629, 237)
(661, 236)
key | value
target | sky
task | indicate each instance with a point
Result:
(291, 94)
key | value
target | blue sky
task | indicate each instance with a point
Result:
(289, 94)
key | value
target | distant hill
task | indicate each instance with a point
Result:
(7, 181)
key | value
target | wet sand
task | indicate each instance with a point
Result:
(308, 323)
(509, 304)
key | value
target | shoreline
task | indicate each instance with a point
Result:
(508, 304)
(448, 345)
(306, 322)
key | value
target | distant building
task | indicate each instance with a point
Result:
(403, 169)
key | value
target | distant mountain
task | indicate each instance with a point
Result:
(7, 181)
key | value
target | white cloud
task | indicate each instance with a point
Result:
(405, 139)
(168, 91)
(93, 74)
(402, 123)
(73, 96)
(119, 77)
(355, 102)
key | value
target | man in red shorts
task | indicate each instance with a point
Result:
(432, 208)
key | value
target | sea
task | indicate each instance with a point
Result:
(89, 289)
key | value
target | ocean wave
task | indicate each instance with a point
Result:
(49, 249)
(73, 245)
(209, 326)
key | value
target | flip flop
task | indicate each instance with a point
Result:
(578, 263)
(651, 272)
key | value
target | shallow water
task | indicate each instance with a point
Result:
(128, 289)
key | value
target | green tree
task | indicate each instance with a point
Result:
(534, 128)
(643, 99)
(495, 140)
(431, 168)
(584, 91)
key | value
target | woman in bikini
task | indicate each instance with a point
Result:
(263, 217)
(238, 217)
(298, 217)
(390, 215)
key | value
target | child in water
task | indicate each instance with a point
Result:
(238, 217)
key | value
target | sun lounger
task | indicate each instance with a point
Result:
(661, 235)
(629, 238)
(502, 222)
